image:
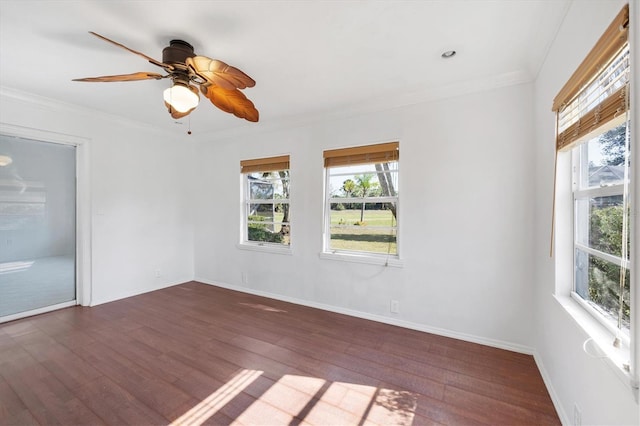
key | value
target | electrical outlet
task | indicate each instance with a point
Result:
(158, 273)
(395, 307)
(577, 415)
(245, 278)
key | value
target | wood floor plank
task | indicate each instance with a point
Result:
(509, 374)
(11, 406)
(444, 413)
(156, 393)
(385, 373)
(115, 405)
(70, 369)
(49, 401)
(400, 363)
(24, 417)
(510, 394)
(200, 354)
(495, 411)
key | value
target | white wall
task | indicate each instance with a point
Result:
(465, 217)
(575, 377)
(140, 196)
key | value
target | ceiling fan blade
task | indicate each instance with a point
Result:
(177, 114)
(218, 73)
(123, 77)
(148, 58)
(231, 101)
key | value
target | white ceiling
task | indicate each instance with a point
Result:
(309, 58)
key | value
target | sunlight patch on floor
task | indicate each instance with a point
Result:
(392, 407)
(360, 404)
(210, 405)
(262, 307)
(282, 401)
(342, 403)
(315, 401)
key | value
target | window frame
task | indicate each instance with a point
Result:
(246, 201)
(578, 193)
(368, 257)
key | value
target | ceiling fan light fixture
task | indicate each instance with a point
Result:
(181, 97)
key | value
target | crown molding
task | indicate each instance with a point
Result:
(56, 105)
(380, 103)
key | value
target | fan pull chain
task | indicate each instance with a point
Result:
(189, 131)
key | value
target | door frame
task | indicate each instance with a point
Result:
(83, 203)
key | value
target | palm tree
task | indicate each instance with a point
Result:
(364, 186)
(348, 186)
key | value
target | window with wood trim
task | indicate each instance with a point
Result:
(362, 200)
(593, 122)
(266, 204)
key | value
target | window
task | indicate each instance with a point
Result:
(361, 201)
(601, 228)
(266, 206)
(593, 123)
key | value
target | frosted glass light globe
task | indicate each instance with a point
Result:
(181, 98)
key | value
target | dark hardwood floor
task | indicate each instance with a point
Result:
(198, 354)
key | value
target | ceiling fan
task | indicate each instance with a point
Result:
(190, 74)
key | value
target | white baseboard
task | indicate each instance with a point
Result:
(379, 318)
(564, 418)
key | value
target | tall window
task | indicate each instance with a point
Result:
(593, 122)
(601, 206)
(361, 200)
(266, 207)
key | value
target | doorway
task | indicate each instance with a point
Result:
(37, 226)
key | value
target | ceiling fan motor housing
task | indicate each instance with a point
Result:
(177, 52)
